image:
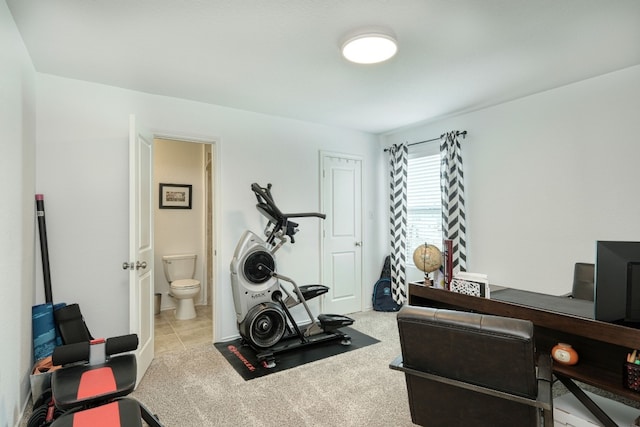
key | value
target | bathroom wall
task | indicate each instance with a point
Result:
(179, 231)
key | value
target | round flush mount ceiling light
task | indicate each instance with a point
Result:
(369, 47)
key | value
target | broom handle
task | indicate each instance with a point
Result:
(42, 226)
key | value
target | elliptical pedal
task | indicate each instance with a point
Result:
(331, 322)
(308, 292)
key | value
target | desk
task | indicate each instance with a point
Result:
(602, 347)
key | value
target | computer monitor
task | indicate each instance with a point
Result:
(617, 282)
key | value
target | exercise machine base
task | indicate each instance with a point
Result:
(267, 356)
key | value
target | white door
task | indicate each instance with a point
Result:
(141, 309)
(341, 191)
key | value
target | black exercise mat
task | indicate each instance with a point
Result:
(244, 361)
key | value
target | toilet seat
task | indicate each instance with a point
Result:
(185, 284)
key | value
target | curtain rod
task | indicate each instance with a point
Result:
(458, 133)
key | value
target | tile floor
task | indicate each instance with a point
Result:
(176, 335)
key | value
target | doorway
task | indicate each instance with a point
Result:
(341, 189)
(182, 231)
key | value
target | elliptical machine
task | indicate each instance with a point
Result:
(261, 301)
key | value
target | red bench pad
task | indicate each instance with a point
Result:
(83, 385)
(119, 413)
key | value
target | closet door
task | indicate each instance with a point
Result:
(342, 233)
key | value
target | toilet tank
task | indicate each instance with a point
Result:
(180, 266)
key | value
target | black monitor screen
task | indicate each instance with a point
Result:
(617, 281)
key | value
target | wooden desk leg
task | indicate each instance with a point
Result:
(586, 401)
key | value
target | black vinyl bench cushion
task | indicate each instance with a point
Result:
(119, 413)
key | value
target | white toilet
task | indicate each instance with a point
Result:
(179, 271)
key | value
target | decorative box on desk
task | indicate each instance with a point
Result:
(473, 284)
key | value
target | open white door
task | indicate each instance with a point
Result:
(141, 309)
(341, 191)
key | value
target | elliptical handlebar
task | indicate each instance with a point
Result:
(263, 194)
(267, 206)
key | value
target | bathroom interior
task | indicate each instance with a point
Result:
(182, 236)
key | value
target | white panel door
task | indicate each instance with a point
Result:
(342, 233)
(141, 309)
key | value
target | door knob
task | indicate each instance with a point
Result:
(358, 243)
(137, 266)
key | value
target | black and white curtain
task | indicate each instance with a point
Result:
(452, 187)
(398, 155)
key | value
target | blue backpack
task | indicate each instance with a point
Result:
(382, 296)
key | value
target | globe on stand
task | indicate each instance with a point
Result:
(428, 259)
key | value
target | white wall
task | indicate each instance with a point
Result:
(546, 176)
(83, 172)
(17, 219)
(179, 231)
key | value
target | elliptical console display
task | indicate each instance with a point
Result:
(261, 301)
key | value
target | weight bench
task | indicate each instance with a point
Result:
(92, 384)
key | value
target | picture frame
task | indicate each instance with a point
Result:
(175, 196)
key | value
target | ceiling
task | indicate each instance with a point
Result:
(282, 57)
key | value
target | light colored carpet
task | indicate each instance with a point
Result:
(198, 387)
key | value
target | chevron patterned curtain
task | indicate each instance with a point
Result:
(398, 159)
(453, 210)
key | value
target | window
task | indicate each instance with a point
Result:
(424, 203)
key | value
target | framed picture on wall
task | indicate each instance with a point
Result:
(175, 196)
